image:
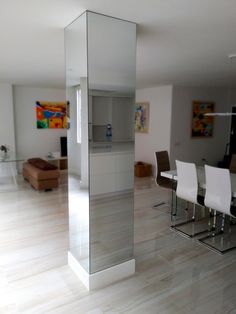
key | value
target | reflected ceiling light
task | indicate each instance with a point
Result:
(219, 114)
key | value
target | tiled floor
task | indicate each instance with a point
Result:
(173, 275)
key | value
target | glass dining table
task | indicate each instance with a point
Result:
(10, 159)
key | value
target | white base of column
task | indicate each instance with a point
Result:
(103, 277)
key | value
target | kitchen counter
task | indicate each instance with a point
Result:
(111, 167)
(111, 148)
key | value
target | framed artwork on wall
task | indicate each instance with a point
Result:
(142, 117)
(52, 115)
(202, 126)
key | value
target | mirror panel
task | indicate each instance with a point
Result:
(111, 82)
(100, 76)
(77, 95)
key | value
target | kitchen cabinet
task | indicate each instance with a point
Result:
(115, 110)
(111, 172)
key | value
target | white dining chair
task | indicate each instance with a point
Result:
(219, 198)
(187, 189)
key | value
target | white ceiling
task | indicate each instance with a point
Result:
(182, 42)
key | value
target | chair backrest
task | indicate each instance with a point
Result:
(187, 182)
(232, 166)
(218, 189)
(162, 164)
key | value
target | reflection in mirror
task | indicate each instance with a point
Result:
(76, 81)
(101, 140)
(111, 73)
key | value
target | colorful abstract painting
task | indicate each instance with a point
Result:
(142, 117)
(202, 126)
(51, 115)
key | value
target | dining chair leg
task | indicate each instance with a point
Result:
(222, 241)
(210, 212)
(174, 213)
(222, 224)
(189, 221)
(187, 205)
(214, 221)
(194, 211)
(214, 224)
(209, 220)
(232, 221)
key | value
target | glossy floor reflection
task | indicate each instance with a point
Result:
(100, 236)
(78, 197)
(174, 275)
(111, 231)
(202, 227)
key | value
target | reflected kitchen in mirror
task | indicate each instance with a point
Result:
(101, 66)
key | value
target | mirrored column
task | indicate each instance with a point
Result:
(100, 74)
(111, 83)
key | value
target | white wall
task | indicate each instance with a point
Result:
(158, 138)
(30, 141)
(7, 133)
(184, 147)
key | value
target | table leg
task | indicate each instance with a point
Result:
(13, 172)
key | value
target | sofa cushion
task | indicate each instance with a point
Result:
(41, 164)
(31, 171)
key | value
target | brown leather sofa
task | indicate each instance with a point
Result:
(41, 179)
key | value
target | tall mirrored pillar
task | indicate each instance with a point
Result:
(100, 76)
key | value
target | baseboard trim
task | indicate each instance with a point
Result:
(103, 277)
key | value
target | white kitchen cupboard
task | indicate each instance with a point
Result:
(111, 172)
